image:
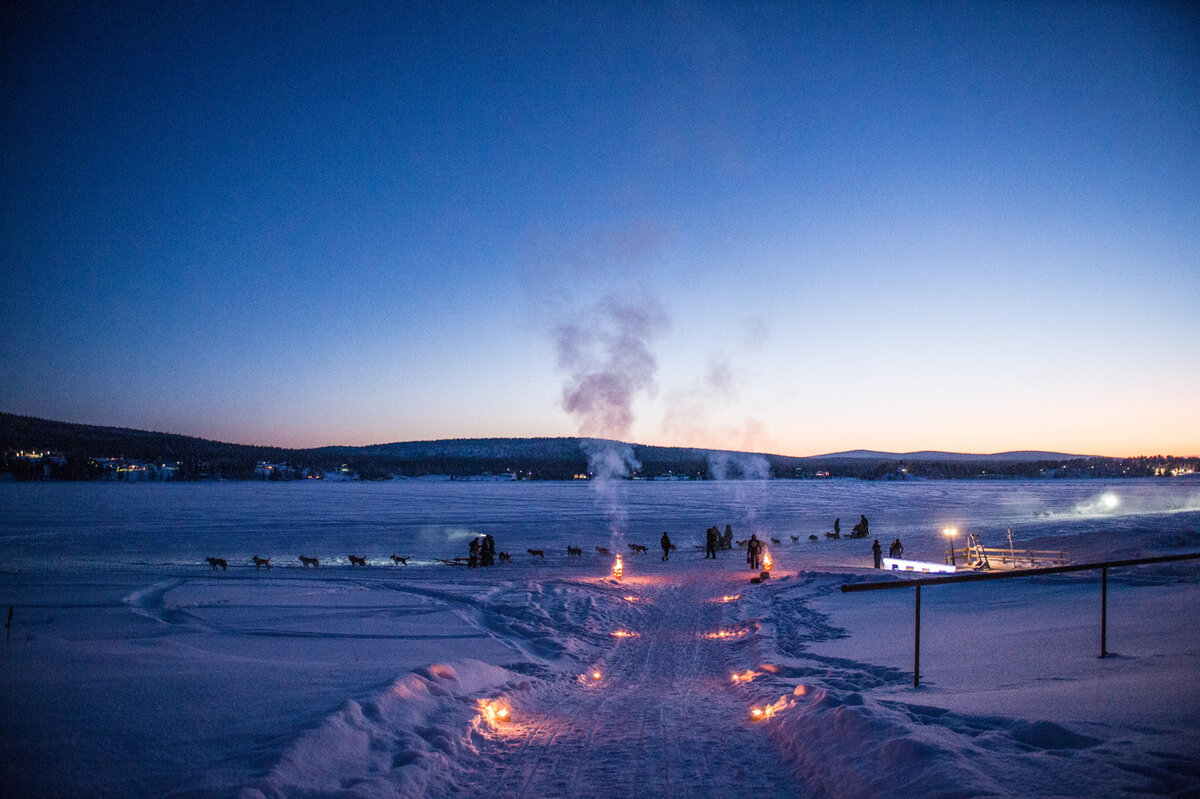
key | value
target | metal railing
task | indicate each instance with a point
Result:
(1007, 575)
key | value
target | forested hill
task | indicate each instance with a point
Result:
(75, 448)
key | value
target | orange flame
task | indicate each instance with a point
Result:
(746, 676)
(766, 711)
(618, 568)
(728, 598)
(495, 711)
(767, 561)
(596, 675)
(726, 634)
(622, 634)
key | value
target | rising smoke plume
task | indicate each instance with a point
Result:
(607, 359)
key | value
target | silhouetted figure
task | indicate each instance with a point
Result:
(754, 552)
(487, 551)
(473, 549)
(878, 552)
(727, 542)
(710, 544)
(896, 550)
(860, 530)
(666, 546)
(863, 521)
(837, 527)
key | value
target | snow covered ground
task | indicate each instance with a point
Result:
(133, 669)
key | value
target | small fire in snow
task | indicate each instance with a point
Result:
(726, 634)
(632, 598)
(766, 561)
(623, 634)
(746, 676)
(596, 675)
(728, 598)
(785, 701)
(618, 568)
(495, 711)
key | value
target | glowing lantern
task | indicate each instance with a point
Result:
(618, 568)
(596, 675)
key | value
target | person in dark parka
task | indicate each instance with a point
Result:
(666, 546)
(754, 552)
(710, 544)
(878, 551)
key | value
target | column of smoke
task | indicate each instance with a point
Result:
(606, 357)
(749, 490)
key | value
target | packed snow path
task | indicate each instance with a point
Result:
(664, 719)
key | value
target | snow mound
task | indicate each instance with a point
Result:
(395, 745)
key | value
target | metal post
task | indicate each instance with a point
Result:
(1103, 611)
(917, 643)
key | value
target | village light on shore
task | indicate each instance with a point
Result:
(950, 532)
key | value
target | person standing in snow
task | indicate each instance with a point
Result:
(754, 552)
(710, 544)
(878, 552)
(727, 543)
(666, 546)
(473, 549)
(487, 553)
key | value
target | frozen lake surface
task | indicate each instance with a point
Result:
(61, 525)
(133, 669)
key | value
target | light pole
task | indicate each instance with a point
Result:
(950, 533)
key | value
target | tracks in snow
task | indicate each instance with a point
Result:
(663, 722)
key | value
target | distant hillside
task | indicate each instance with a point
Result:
(563, 458)
(932, 455)
(515, 458)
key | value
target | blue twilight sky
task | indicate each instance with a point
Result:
(788, 227)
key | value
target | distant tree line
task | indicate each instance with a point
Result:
(67, 451)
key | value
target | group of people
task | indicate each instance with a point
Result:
(714, 540)
(896, 550)
(481, 552)
(860, 530)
